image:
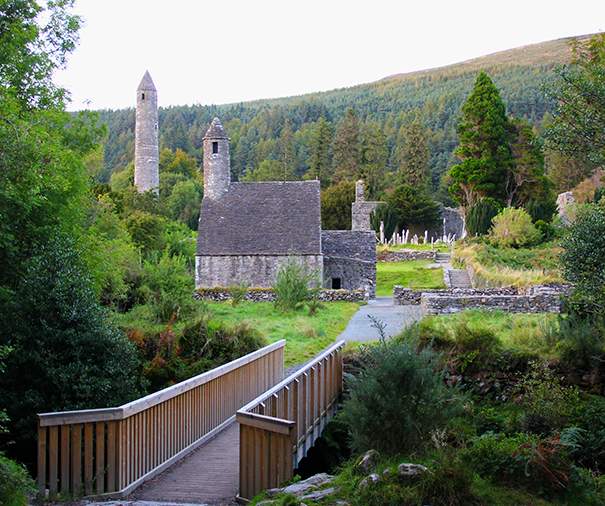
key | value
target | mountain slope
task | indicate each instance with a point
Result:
(437, 94)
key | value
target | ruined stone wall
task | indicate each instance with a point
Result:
(405, 255)
(433, 303)
(360, 215)
(219, 294)
(408, 296)
(351, 256)
(354, 274)
(146, 154)
(536, 299)
(250, 270)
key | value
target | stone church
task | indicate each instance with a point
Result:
(248, 231)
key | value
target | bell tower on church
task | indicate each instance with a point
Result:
(146, 151)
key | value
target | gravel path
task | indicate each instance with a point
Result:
(396, 318)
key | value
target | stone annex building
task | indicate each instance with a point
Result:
(247, 231)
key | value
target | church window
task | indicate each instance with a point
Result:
(336, 283)
(214, 148)
(142, 96)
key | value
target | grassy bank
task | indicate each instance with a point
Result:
(509, 266)
(411, 274)
(305, 335)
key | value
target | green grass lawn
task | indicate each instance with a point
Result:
(305, 335)
(411, 274)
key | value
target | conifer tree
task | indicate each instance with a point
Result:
(526, 179)
(374, 158)
(484, 145)
(412, 155)
(347, 148)
(287, 152)
(320, 159)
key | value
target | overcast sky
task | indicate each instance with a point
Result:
(230, 51)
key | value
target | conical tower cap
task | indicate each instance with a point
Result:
(146, 83)
(216, 130)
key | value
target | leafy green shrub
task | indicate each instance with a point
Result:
(479, 217)
(489, 419)
(580, 342)
(546, 402)
(541, 465)
(513, 227)
(15, 483)
(167, 286)
(589, 424)
(583, 261)
(237, 293)
(546, 230)
(66, 354)
(292, 286)
(541, 209)
(448, 484)
(397, 398)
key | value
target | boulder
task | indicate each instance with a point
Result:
(412, 472)
(318, 495)
(367, 462)
(369, 480)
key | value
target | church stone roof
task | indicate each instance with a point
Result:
(353, 244)
(273, 218)
(216, 130)
(146, 83)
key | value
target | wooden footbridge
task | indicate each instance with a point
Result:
(235, 430)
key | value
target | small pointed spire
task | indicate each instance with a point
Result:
(216, 130)
(146, 83)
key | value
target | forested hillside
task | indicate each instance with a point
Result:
(266, 129)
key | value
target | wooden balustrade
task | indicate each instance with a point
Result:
(278, 427)
(112, 451)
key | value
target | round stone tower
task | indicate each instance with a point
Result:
(217, 161)
(146, 155)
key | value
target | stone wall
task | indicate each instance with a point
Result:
(258, 271)
(436, 303)
(408, 296)
(220, 294)
(350, 256)
(406, 255)
(536, 299)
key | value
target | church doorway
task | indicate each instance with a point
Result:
(336, 283)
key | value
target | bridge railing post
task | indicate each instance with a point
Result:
(278, 427)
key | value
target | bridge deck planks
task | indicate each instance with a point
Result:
(208, 475)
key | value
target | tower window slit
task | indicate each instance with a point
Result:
(142, 96)
(214, 148)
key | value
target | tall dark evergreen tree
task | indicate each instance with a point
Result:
(347, 148)
(412, 155)
(374, 158)
(484, 146)
(320, 158)
(526, 179)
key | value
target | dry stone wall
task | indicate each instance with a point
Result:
(220, 294)
(535, 299)
(405, 255)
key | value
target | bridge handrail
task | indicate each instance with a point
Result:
(138, 405)
(286, 381)
(278, 427)
(114, 450)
